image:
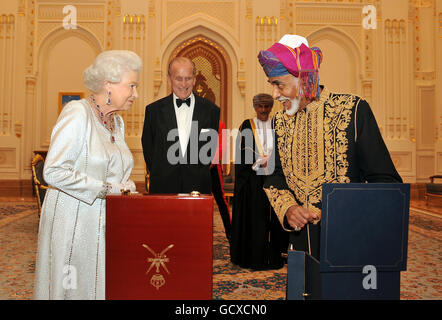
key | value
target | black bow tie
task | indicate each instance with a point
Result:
(179, 102)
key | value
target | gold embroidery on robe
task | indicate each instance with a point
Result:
(280, 200)
(313, 146)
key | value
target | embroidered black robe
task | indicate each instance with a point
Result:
(335, 139)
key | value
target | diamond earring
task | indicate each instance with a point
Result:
(108, 101)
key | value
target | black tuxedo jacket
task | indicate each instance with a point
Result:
(170, 171)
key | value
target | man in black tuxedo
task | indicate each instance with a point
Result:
(180, 135)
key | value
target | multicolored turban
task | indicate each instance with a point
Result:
(263, 98)
(300, 61)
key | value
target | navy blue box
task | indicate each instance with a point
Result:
(364, 242)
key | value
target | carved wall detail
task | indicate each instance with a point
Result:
(7, 64)
(30, 35)
(211, 61)
(92, 17)
(224, 11)
(202, 88)
(266, 33)
(395, 58)
(7, 158)
(134, 39)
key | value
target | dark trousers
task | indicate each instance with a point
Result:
(218, 194)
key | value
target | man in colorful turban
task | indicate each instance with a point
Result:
(292, 64)
(321, 137)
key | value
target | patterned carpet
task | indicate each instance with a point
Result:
(18, 242)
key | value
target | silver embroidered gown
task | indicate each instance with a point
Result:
(71, 240)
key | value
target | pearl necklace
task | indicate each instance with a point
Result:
(109, 126)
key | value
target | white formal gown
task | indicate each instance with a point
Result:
(71, 240)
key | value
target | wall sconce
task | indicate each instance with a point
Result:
(133, 19)
(266, 21)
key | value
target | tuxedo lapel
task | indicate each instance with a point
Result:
(199, 112)
(168, 114)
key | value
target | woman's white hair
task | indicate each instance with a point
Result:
(110, 66)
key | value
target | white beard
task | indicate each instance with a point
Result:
(294, 105)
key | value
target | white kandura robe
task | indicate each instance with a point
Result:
(71, 240)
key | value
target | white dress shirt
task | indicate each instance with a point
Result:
(264, 129)
(184, 121)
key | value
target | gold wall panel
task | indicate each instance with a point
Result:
(439, 162)
(224, 11)
(7, 158)
(84, 11)
(403, 161)
(425, 167)
(426, 138)
(90, 16)
(328, 15)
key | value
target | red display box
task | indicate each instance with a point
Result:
(159, 247)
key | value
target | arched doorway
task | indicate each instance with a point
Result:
(336, 47)
(212, 70)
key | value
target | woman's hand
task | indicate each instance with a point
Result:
(130, 186)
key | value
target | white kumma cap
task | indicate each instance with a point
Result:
(293, 40)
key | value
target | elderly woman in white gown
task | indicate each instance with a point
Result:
(87, 159)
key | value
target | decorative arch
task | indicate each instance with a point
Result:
(211, 84)
(345, 41)
(44, 49)
(202, 24)
(203, 40)
(60, 33)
